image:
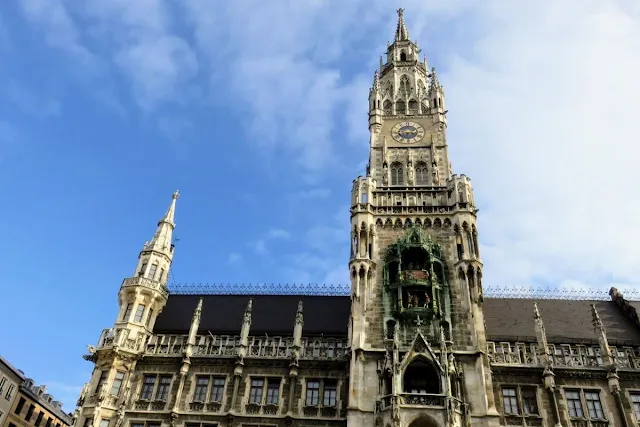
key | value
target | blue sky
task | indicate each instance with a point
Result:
(257, 113)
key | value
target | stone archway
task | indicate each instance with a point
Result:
(424, 420)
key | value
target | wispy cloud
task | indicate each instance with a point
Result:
(29, 102)
(58, 26)
(260, 246)
(234, 258)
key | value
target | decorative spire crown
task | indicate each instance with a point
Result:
(402, 34)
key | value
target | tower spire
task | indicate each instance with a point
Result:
(402, 33)
(162, 238)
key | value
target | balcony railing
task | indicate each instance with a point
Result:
(259, 347)
(123, 338)
(320, 411)
(146, 283)
(423, 399)
(524, 421)
(562, 355)
(150, 405)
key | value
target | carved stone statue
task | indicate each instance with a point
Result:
(385, 174)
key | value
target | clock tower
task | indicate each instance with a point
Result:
(418, 345)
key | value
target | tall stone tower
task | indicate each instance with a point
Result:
(417, 328)
(141, 299)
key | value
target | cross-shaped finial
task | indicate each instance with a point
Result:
(419, 321)
(176, 194)
(400, 12)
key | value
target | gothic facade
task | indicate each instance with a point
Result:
(412, 343)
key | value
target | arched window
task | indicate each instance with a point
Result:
(421, 173)
(397, 174)
(404, 84)
(413, 104)
(401, 107)
(387, 106)
(421, 377)
(403, 55)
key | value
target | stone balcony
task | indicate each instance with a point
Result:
(259, 347)
(145, 283)
(562, 355)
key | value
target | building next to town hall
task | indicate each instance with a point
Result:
(24, 404)
(412, 342)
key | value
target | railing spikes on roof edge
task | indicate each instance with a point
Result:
(316, 289)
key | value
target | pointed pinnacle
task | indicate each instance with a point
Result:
(401, 30)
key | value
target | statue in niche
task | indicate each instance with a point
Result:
(427, 300)
(385, 174)
(413, 300)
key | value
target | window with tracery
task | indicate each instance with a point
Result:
(397, 174)
(421, 173)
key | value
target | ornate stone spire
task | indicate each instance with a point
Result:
(195, 323)
(435, 83)
(162, 238)
(402, 34)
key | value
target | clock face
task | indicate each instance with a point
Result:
(407, 132)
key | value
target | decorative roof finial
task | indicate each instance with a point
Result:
(176, 194)
(299, 316)
(401, 30)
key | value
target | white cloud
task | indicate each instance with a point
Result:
(234, 258)
(29, 101)
(159, 63)
(260, 245)
(58, 25)
(542, 97)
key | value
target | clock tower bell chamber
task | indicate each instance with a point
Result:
(415, 265)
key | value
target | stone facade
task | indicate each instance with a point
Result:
(10, 380)
(411, 342)
(25, 404)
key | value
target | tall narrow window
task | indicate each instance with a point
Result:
(152, 271)
(48, 423)
(255, 394)
(102, 380)
(149, 316)
(529, 401)
(397, 174)
(313, 393)
(421, 173)
(574, 404)
(3, 381)
(510, 401)
(329, 393)
(202, 386)
(38, 419)
(273, 392)
(19, 406)
(148, 384)
(143, 267)
(163, 387)
(635, 400)
(29, 412)
(117, 383)
(127, 313)
(218, 390)
(139, 312)
(593, 405)
(9, 392)
(161, 275)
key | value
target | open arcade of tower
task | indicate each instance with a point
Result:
(412, 343)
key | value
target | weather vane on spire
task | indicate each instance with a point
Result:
(400, 12)
(176, 194)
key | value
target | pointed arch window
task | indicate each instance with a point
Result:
(387, 106)
(397, 174)
(401, 107)
(404, 84)
(403, 55)
(413, 106)
(421, 173)
(421, 377)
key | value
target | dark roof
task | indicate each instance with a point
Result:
(271, 314)
(564, 320)
(506, 319)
